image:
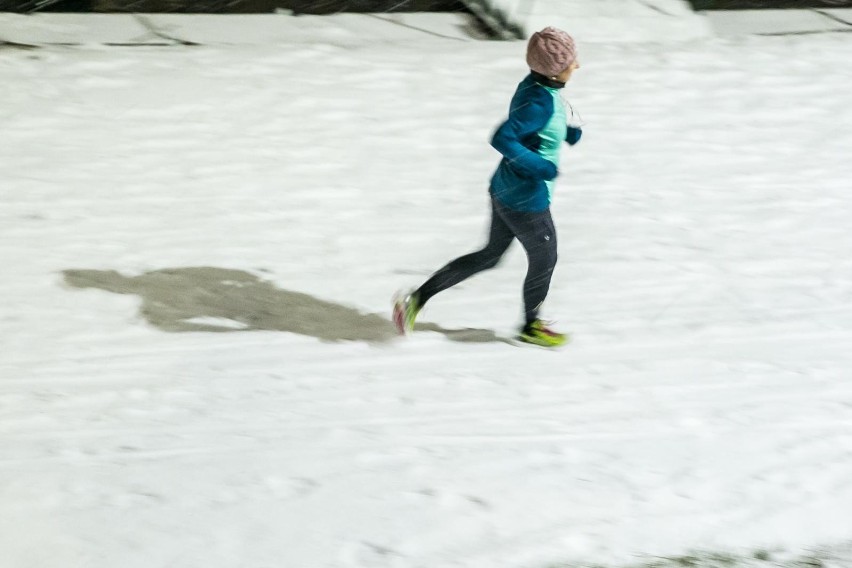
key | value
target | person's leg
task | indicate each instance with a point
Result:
(499, 238)
(537, 234)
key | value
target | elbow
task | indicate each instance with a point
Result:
(498, 142)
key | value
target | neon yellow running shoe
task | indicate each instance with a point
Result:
(537, 333)
(405, 309)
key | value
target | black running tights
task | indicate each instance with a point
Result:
(537, 234)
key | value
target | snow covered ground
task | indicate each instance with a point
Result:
(198, 246)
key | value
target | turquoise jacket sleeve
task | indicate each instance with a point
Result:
(517, 138)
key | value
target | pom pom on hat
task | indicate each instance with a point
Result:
(551, 51)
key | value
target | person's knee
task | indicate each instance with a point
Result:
(542, 266)
(547, 258)
(551, 259)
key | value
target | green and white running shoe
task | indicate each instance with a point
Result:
(537, 333)
(405, 309)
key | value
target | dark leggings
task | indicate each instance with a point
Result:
(537, 235)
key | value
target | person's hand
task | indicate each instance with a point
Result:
(574, 134)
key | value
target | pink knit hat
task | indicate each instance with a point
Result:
(550, 52)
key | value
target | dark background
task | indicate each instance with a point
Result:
(336, 6)
(767, 4)
(232, 6)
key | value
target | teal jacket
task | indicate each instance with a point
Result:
(530, 142)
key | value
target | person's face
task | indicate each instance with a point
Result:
(565, 76)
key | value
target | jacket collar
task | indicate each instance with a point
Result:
(546, 81)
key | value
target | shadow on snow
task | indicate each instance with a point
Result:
(226, 300)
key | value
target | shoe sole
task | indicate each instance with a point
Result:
(524, 342)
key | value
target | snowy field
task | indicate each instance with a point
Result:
(199, 244)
